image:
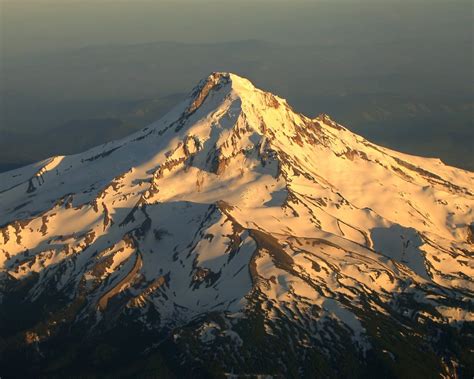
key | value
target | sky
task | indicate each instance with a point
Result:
(37, 25)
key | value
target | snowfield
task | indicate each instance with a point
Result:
(234, 205)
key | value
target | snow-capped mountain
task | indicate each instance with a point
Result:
(236, 236)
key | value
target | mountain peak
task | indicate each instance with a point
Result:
(228, 83)
(217, 80)
(229, 77)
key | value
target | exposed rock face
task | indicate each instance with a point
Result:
(238, 232)
(470, 233)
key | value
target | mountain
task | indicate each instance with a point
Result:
(235, 237)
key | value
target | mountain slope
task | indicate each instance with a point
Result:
(229, 227)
